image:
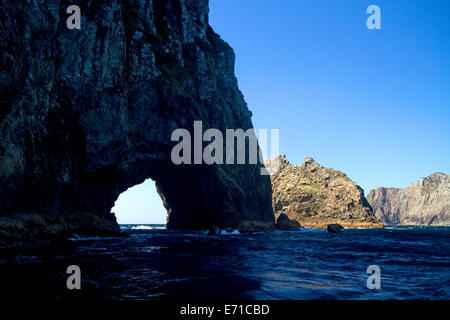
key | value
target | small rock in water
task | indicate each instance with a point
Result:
(335, 228)
(284, 223)
(214, 231)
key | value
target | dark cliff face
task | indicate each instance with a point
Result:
(86, 114)
(426, 202)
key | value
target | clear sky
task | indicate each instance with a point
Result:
(374, 104)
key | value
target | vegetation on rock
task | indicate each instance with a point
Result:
(316, 196)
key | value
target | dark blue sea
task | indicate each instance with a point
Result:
(154, 263)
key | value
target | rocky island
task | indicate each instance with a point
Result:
(426, 202)
(316, 196)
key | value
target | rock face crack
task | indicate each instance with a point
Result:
(86, 114)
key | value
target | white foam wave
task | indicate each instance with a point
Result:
(224, 232)
(142, 227)
(312, 230)
(76, 237)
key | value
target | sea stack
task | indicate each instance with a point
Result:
(316, 196)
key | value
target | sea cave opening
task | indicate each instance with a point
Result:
(181, 197)
(141, 205)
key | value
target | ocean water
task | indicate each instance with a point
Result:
(155, 263)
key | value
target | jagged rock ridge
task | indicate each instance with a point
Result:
(426, 202)
(86, 114)
(316, 196)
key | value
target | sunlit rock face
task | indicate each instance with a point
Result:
(316, 196)
(86, 114)
(426, 202)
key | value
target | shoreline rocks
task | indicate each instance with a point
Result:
(284, 223)
(335, 228)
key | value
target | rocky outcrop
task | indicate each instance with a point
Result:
(426, 202)
(334, 228)
(86, 114)
(316, 196)
(284, 223)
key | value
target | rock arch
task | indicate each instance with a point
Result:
(87, 113)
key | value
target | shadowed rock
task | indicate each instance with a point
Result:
(284, 223)
(334, 228)
(86, 114)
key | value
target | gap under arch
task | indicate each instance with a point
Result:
(140, 204)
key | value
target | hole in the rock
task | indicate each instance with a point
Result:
(140, 204)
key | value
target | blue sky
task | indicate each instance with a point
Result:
(374, 104)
